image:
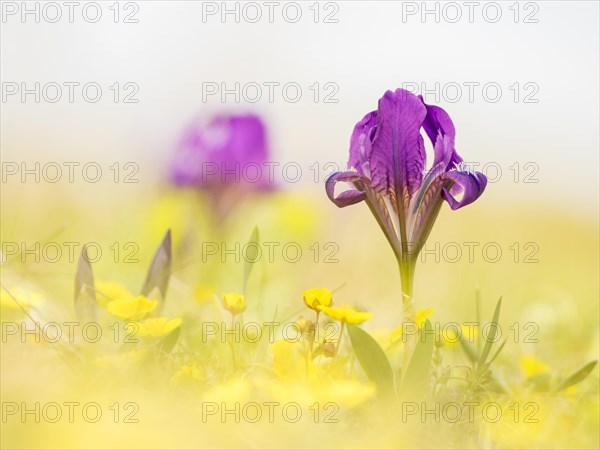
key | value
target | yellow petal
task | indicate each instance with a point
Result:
(157, 327)
(131, 309)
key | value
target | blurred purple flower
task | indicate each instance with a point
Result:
(229, 150)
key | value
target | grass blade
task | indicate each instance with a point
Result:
(160, 271)
(471, 353)
(251, 256)
(85, 303)
(372, 358)
(167, 343)
(577, 376)
(497, 352)
(490, 338)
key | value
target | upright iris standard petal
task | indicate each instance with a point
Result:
(398, 154)
(361, 143)
(438, 123)
(470, 184)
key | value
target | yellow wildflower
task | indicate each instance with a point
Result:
(155, 327)
(204, 293)
(317, 297)
(234, 303)
(189, 372)
(533, 366)
(131, 309)
(342, 393)
(396, 335)
(422, 315)
(107, 291)
(346, 314)
(302, 324)
(290, 361)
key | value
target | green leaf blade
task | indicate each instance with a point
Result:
(416, 377)
(160, 270)
(577, 376)
(490, 338)
(167, 343)
(251, 257)
(85, 303)
(372, 359)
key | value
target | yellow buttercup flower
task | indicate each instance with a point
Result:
(346, 314)
(131, 308)
(204, 293)
(290, 361)
(317, 297)
(420, 317)
(188, 373)
(108, 291)
(234, 303)
(155, 327)
(533, 366)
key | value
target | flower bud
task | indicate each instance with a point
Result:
(234, 303)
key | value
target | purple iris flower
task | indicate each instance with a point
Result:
(387, 170)
(228, 150)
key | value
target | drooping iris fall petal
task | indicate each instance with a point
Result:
(470, 184)
(348, 197)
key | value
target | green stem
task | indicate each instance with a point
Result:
(231, 343)
(315, 334)
(407, 272)
(339, 342)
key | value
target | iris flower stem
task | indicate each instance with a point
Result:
(407, 271)
(231, 343)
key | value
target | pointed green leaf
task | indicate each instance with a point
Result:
(491, 337)
(372, 358)
(577, 376)
(469, 349)
(416, 377)
(160, 271)
(252, 253)
(85, 303)
(167, 343)
(497, 352)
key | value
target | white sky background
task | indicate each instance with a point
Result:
(170, 52)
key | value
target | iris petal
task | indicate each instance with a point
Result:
(346, 198)
(360, 143)
(470, 184)
(398, 152)
(438, 123)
